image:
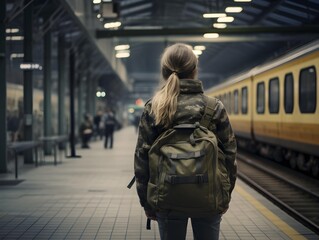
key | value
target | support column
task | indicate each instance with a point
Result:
(94, 88)
(28, 81)
(47, 85)
(89, 93)
(72, 112)
(80, 97)
(61, 84)
(3, 90)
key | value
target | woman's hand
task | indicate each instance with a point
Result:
(151, 215)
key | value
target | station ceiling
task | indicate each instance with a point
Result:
(263, 30)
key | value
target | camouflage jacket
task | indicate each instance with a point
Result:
(190, 109)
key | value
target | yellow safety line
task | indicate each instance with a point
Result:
(283, 226)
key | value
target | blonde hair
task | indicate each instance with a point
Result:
(178, 61)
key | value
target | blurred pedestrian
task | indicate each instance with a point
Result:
(109, 126)
(86, 131)
(13, 125)
(98, 125)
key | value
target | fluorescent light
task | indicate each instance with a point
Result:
(14, 38)
(16, 55)
(214, 15)
(242, 0)
(197, 52)
(122, 55)
(219, 25)
(112, 25)
(225, 19)
(211, 35)
(199, 47)
(122, 47)
(96, 1)
(233, 9)
(12, 30)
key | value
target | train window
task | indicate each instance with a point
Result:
(225, 101)
(307, 90)
(236, 101)
(274, 95)
(229, 102)
(244, 100)
(289, 93)
(261, 97)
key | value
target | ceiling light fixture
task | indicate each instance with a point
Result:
(123, 54)
(112, 25)
(96, 1)
(242, 0)
(225, 19)
(16, 55)
(233, 9)
(211, 35)
(14, 38)
(122, 47)
(219, 25)
(12, 30)
(214, 15)
(197, 52)
(199, 47)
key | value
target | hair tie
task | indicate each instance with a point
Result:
(174, 72)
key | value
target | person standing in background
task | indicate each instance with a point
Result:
(109, 126)
(86, 131)
(98, 125)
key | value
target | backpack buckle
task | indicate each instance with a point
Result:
(200, 178)
(171, 179)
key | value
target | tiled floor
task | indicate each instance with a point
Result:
(87, 198)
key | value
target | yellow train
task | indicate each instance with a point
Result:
(274, 108)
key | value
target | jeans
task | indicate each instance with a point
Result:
(174, 228)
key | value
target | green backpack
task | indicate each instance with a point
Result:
(187, 169)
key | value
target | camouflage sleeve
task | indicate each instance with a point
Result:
(141, 161)
(227, 139)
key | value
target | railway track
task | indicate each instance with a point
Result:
(295, 193)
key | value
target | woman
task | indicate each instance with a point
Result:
(180, 101)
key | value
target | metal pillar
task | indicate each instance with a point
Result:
(90, 95)
(47, 86)
(61, 84)
(94, 87)
(72, 112)
(3, 90)
(28, 81)
(80, 97)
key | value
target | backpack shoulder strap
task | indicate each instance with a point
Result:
(209, 111)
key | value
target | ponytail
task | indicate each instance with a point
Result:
(178, 61)
(164, 103)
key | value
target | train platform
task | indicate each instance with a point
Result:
(87, 198)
